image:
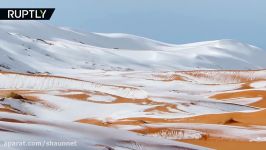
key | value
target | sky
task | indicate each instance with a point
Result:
(172, 21)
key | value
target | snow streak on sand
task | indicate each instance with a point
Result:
(26, 82)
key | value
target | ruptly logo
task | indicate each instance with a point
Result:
(26, 13)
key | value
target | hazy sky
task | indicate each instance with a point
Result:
(174, 21)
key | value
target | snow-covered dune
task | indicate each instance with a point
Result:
(160, 107)
(40, 134)
(26, 82)
(37, 47)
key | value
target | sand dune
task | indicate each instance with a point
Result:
(214, 109)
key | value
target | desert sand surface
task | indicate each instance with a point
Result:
(222, 109)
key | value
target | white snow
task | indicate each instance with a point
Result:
(178, 134)
(26, 82)
(103, 98)
(259, 139)
(220, 131)
(83, 109)
(259, 84)
(244, 101)
(56, 50)
(85, 136)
